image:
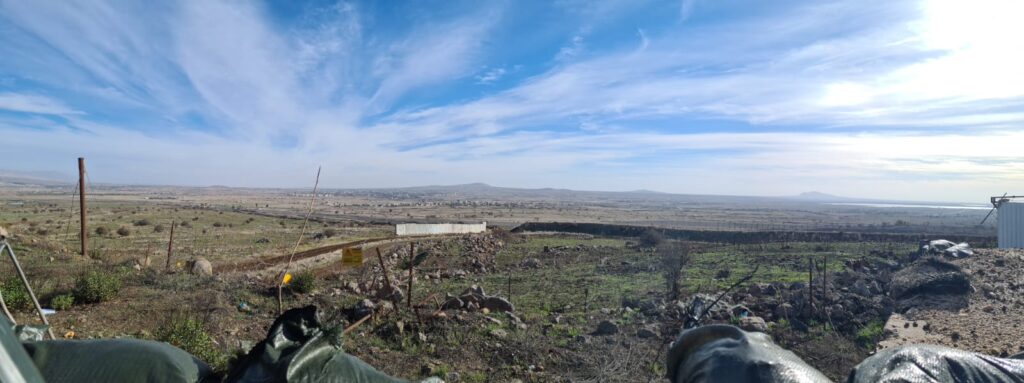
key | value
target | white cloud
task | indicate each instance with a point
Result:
(34, 104)
(490, 76)
(913, 84)
(686, 9)
(430, 55)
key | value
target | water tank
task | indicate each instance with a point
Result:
(1011, 225)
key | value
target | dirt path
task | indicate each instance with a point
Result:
(270, 266)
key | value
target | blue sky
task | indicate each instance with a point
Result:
(904, 100)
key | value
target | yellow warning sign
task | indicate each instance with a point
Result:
(352, 256)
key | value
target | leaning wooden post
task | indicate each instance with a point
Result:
(412, 255)
(170, 245)
(81, 202)
(384, 269)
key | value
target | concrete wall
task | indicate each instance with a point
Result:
(439, 228)
(1011, 225)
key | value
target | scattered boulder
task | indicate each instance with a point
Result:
(783, 310)
(363, 308)
(202, 267)
(514, 321)
(499, 333)
(530, 263)
(390, 293)
(753, 323)
(497, 304)
(722, 274)
(452, 303)
(647, 332)
(607, 327)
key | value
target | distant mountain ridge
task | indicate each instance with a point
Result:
(41, 178)
(476, 190)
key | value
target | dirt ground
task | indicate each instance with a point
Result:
(562, 286)
(985, 320)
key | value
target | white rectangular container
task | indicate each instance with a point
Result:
(1011, 225)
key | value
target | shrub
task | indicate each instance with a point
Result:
(188, 334)
(870, 333)
(303, 283)
(123, 231)
(651, 238)
(330, 233)
(15, 295)
(674, 257)
(96, 287)
(62, 302)
(158, 228)
(217, 224)
(501, 233)
(102, 231)
(96, 253)
(142, 222)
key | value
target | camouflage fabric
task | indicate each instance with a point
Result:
(927, 363)
(298, 349)
(115, 360)
(720, 353)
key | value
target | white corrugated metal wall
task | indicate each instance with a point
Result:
(1011, 225)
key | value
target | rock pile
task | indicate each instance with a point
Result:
(474, 298)
(866, 291)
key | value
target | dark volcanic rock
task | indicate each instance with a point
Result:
(929, 276)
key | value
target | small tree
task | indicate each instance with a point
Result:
(651, 238)
(123, 231)
(101, 231)
(675, 256)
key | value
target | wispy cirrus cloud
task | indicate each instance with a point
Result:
(26, 103)
(876, 99)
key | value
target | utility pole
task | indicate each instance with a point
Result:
(81, 205)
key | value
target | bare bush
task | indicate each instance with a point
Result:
(651, 238)
(674, 256)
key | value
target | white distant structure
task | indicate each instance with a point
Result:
(1011, 221)
(439, 228)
